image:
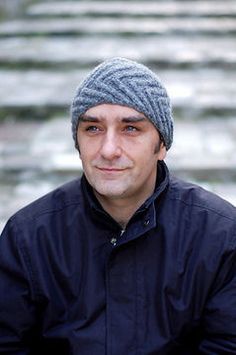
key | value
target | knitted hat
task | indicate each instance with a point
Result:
(124, 82)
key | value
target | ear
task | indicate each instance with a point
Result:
(162, 151)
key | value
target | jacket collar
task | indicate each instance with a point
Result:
(161, 184)
(147, 210)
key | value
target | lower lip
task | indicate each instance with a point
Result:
(111, 170)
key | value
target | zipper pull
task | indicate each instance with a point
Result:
(122, 232)
(113, 240)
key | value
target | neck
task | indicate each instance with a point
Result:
(121, 210)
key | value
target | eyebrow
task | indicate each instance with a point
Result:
(84, 118)
(129, 119)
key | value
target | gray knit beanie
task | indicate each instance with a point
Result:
(124, 82)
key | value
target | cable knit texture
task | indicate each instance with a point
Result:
(127, 83)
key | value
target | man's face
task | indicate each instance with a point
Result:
(119, 149)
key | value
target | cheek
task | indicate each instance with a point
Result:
(88, 153)
(83, 144)
(144, 163)
(145, 151)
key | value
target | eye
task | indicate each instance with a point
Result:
(131, 128)
(92, 129)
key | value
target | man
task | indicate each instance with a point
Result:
(127, 260)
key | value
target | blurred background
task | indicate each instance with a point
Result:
(48, 47)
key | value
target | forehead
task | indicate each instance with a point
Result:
(109, 111)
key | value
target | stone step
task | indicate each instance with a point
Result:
(134, 8)
(36, 157)
(202, 149)
(113, 26)
(41, 92)
(15, 195)
(88, 50)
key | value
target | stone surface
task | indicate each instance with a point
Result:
(43, 57)
(192, 92)
(37, 157)
(167, 50)
(159, 8)
(28, 188)
(112, 26)
(48, 146)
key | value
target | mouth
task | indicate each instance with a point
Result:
(111, 169)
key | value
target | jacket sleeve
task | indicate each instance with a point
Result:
(220, 310)
(17, 313)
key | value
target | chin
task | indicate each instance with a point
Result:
(110, 193)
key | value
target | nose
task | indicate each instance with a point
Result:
(111, 146)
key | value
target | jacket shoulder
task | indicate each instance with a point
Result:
(64, 196)
(194, 195)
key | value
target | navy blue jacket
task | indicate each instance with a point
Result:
(72, 282)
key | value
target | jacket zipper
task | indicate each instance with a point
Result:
(114, 240)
